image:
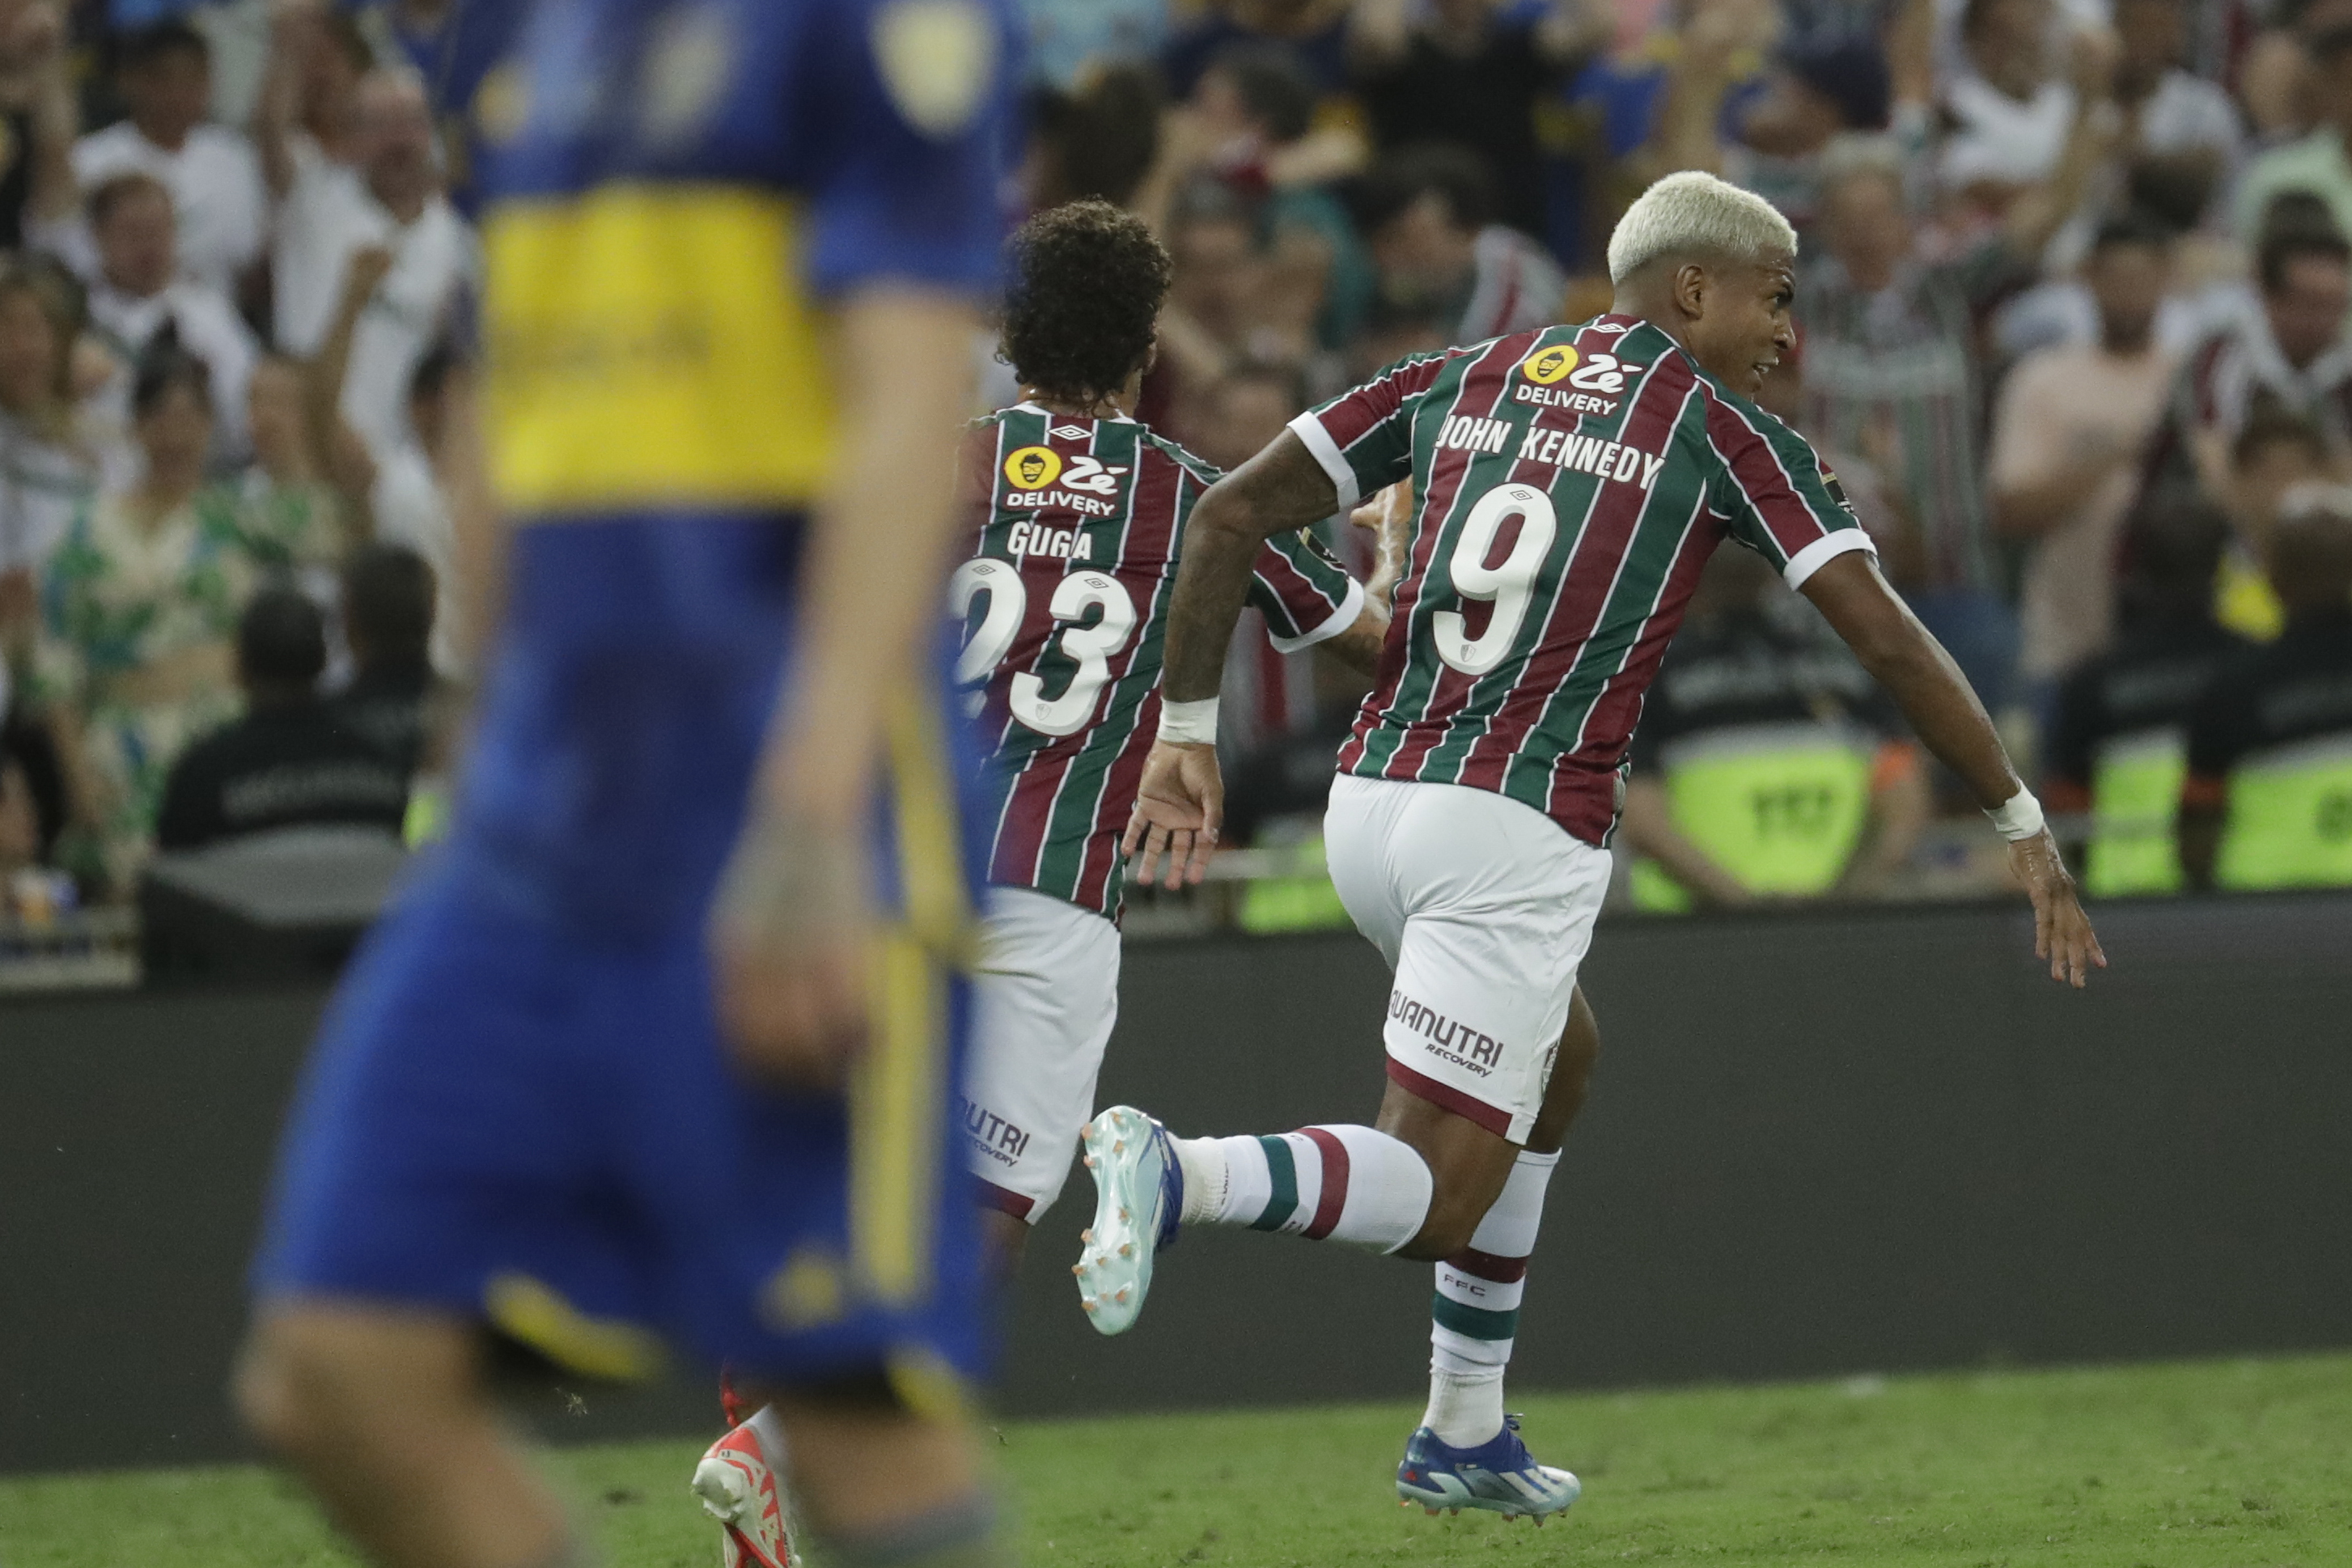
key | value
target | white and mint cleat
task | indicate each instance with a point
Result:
(1498, 1475)
(1139, 1195)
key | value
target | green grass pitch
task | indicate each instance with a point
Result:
(2242, 1464)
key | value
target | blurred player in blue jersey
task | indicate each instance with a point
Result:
(656, 1049)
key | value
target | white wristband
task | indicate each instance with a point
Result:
(1188, 723)
(2020, 817)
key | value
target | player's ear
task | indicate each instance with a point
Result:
(1691, 286)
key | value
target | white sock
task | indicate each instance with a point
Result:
(1474, 1315)
(1344, 1183)
(770, 1430)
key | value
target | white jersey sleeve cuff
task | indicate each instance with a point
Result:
(1309, 429)
(1822, 551)
(1341, 619)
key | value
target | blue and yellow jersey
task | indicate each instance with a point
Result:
(673, 192)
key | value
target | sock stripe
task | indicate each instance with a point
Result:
(1333, 1198)
(1474, 1321)
(1486, 1266)
(1282, 1172)
(1475, 1292)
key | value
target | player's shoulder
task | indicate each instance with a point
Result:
(1151, 445)
(1734, 416)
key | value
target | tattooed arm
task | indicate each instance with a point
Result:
(1182, 801)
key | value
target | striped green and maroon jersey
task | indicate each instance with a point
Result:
(1064, 605)
(1570, 482)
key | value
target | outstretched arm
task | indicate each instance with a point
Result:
(792, 927)
(1945, 713)
(336, 448)
(1182, 801)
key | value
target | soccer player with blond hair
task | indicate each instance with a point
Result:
(1570, 482)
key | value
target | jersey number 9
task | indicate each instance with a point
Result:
(1509, 585)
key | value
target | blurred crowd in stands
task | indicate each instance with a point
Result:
(234, 297)
(2076, 320)
(2075, 334)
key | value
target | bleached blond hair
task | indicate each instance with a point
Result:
(1695, 213)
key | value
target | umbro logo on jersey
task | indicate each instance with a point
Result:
(1069, 432)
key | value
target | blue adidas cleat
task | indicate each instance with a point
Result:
(1139, 1195)
(1499, 1475)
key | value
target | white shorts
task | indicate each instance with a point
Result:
(1046, 994)
(1484, 908)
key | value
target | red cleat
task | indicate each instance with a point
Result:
(738, 1490)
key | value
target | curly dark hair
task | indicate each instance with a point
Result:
(1087, 284)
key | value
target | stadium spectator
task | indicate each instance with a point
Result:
(394, 203)
(1472, 74)
(2292, 354)
(44, 473)
(2319, 163)
(2009, 109)
(1098, 139)
(1767, 764)
(395, 494)
(2116, 746)
(1216, 313)
(1891, 373)
(388, 600)
(453, 49)
(139, 298)
(289, 761)
(2276, 454)
(289, 511)
(211, 171)
(2182, 127)
(2068, 432)
(1253, 115)
(2268, 801)
(1314, 31)
(1825, 86)
(39, 119)
(1250, 125)
(1824, 83)
(142, 603)
(308, 111)
(32, 814)
(1427, 217)
(1243, 410)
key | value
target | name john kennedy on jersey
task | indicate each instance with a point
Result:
(1561, 448)
(1484, 1051)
